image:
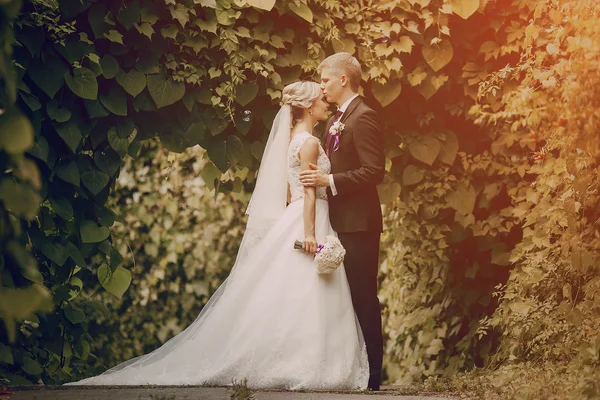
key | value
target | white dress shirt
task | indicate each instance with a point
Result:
(343, 110)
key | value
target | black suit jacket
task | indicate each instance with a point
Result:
(357, 167)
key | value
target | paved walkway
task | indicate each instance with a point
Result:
(194, 393)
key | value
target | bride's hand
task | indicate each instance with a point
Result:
(310, 245)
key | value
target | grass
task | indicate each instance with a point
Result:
(240, 391)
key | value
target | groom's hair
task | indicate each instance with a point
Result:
(346, 64)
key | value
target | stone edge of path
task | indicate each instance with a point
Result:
(388, 391)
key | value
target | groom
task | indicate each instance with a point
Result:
(354, 144)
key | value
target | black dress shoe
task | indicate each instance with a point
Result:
(373, 385)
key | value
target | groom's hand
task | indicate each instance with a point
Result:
(314, 177)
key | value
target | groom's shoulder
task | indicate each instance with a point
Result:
(364, 108)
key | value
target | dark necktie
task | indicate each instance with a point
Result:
(329, 141)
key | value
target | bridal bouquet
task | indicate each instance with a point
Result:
(329, 256)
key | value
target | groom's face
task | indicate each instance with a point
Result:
(331, 85)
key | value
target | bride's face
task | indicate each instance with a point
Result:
(319, 108)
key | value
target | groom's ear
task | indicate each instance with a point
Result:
(344, 80)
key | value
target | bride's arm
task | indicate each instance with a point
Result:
(309, 154)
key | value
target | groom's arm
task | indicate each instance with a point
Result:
(368, 140)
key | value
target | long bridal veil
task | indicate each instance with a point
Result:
(267, 204)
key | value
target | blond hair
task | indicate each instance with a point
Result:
(347, 64)
(300, 96)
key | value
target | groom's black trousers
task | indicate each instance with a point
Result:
(362, 264)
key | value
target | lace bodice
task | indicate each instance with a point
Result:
(323, 163)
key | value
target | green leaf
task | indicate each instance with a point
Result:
(449, 149)
(16, 133)
(18, 304)
(170, 31)
(40, 149)
(115, 101)
(210, 173)
(95, 109)
(464, 8)
(203, 96)
(133, 81)
(462, 199)
(93, 179)
(48, 76)
(431, 84)
(209, 26)
(246, 93)
(302, 11)
(438, 55)
(70, 133)
(31, 366)
(385, 94)
(180, 13)
(115, 283)
(404, 44)
(83, 83)
(145, 29)
(266, 5)
(412, 175)
(98, 306)
(143, 102)
(500, 255)
(257, 149)
(54, 251)
(68, 173)
(110, 66)
(75, 316)
(425, 149)
(118, 144)
(196, 133)
(343, 45)
(26, 261)
(83, 349)
(92, 233)
(520, 307)
(96, 19)
(115, 259)
(163, 91)
(388, 191)
(56, 113)
(217, 152)
(129, 13)
(32, 102)
(19, 198)
(69, 9)
(75, 254)
(234, 149)
(147, 63)
(114, 36)
(108, 161)
(134, 148)
(62, 207)
(6, 356)
(173, 142)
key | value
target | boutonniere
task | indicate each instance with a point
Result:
(336, 128)
(335, 131)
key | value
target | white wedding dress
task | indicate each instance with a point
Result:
(274, 321)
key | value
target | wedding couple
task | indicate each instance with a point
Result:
(275, 321)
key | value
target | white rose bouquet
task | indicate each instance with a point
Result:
(329, 255)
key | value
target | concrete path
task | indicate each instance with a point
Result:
(194, 393)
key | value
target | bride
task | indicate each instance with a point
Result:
(274, 321)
